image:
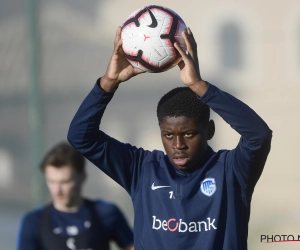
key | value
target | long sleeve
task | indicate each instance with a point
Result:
(28, 236)
(248, 158)
(122, 233)
(118, 160)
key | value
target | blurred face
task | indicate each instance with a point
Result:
(64, 185)
(185, 141)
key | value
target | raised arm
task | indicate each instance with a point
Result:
(248, 158)
(116, 159)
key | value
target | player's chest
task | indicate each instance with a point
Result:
(162, 185)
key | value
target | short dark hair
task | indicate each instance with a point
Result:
(182, 101)
(63, 154)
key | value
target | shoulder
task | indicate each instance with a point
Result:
(32, 217)
(152, 154)
(29, 227)
(221, 155)
(156, 155)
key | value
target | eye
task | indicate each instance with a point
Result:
(66, 181)
(188, 135)
(169, 136)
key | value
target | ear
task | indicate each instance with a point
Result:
(210, 129)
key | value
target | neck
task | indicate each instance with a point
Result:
(73, 207)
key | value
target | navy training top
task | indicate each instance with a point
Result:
(207, 209)
(72, 229)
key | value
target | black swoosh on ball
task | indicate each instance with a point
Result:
(153, 18)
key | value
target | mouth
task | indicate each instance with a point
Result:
(180, 160)
(60, 197)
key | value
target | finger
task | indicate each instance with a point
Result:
(192, 39)
(190, 43)
(181, 51)
(118, 47)
(118, 36)
(187, 41)
(190, 33)
(139, 71)
(181, 64)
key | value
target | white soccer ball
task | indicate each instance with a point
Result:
(148, 36)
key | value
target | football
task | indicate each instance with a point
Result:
(148, 36)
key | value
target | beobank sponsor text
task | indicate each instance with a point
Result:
(181, 226)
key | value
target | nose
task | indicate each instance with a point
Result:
(179, 142)
(56, 189)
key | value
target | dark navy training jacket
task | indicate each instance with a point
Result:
(207, 209)
(93, 227)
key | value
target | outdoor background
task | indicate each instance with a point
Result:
(50, 61)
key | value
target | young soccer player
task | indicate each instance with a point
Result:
(71, 221)
(191, 197)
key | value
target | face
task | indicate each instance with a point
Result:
(185, 141)
(64, 185)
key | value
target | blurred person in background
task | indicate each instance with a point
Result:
(71, 221)
(188, 197)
